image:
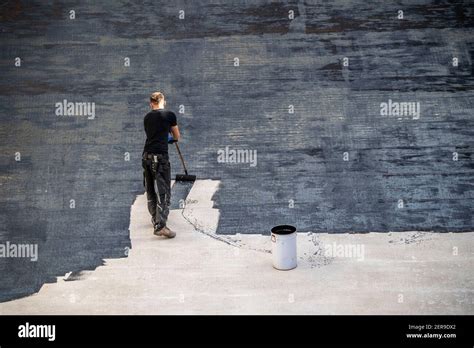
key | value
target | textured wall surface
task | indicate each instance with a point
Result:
(333, 165)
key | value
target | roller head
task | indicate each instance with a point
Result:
(185, 177)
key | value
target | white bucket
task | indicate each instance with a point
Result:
(284, 247)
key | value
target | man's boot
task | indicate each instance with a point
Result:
(165, 231)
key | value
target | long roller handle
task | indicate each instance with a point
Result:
(181, 157)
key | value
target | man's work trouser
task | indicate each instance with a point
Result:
(157, 180)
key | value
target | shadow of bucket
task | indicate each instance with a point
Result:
(284, 247)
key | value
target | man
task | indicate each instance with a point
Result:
(159, 123)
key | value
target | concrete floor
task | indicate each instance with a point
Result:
(200, 272)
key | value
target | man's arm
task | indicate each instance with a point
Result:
(175, 132)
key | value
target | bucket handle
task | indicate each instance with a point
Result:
(273, 238)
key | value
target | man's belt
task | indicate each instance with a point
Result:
(151, 156)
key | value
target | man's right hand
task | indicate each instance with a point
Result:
(171, 140)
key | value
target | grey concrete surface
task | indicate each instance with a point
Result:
(200, 272)
(282, 62)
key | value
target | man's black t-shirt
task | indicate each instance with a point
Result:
(157, 127)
